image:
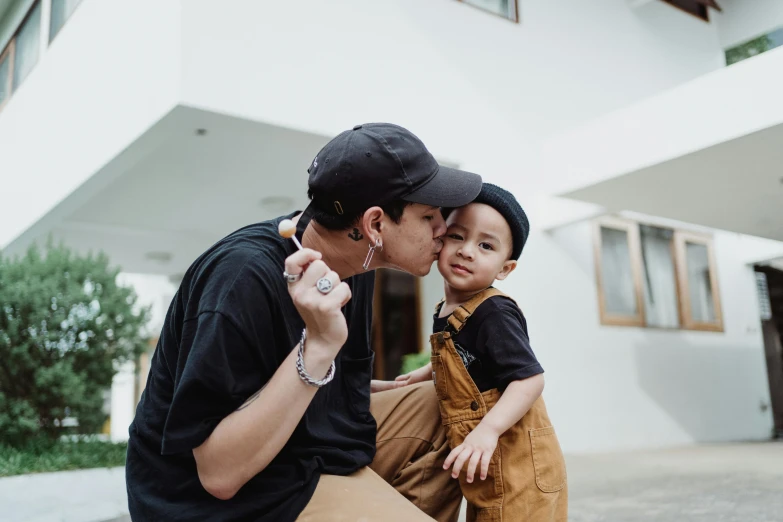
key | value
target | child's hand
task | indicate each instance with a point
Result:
(420, 375)
(478, 446)
(379, 386)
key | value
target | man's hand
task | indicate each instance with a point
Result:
(327, 330)
(478, 446)
(422, 374)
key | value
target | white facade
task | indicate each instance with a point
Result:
(100, 147)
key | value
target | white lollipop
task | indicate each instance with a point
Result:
(287, 229)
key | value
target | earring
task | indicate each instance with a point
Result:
(378, 244)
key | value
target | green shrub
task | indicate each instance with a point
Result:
(65, 325)
(414, 361)
(41, 455)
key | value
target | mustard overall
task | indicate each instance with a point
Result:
(527, 476)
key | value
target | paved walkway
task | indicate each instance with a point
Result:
(92, 495)
(708, 483)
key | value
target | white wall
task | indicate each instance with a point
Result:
(613, 388)
(478, 89)
(743, 20)
(153, 291)
(692, 117)
(108, 76)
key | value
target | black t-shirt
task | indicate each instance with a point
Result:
(228, 329)
(494, 345)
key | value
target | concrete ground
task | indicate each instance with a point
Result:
(91, 495)
(706, 483)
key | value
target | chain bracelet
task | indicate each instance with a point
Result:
(300, 367)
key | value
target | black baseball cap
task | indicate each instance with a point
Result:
(376, 163)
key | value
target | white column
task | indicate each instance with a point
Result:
(123, 402)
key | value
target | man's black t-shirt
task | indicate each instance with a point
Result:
(494, 344)
(228, 329)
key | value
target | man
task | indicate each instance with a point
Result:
(258, 405)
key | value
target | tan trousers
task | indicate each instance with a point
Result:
(406, 481)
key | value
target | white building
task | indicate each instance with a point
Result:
(151, 128)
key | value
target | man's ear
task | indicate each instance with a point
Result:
(508, 267)
(371, 223)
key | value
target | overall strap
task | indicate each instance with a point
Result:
(462, 313)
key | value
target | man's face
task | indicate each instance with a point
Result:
(413, 244)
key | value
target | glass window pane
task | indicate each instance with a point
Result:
(28, 44)
(699, 285)
(504, 8)
(5, 64)
(660, 284)
(616, 273)
(61, 11)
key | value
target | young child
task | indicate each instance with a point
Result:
(487, 378)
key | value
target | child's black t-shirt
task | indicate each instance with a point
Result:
(494, 344)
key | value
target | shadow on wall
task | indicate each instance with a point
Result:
(714, 393)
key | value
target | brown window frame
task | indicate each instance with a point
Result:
(679, 240)
(683, 284)
(516, 11)
(630, 228)
(11, 48)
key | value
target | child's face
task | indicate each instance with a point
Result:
(476, 248)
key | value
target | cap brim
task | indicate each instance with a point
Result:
(447, 188)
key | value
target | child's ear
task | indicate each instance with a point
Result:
(508, 267)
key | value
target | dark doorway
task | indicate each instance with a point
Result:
(395, 325)
(770, 288)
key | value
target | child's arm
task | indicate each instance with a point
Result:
(480, 444)
(515, 402)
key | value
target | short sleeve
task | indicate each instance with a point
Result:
(503, 337)
(220, 371)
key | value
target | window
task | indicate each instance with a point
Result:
(27, 46)
(505, 8)
(661, 308)
(697, 284)
(619, 279)
(655, 277)
(21, 54)
(61, 11)
(753, 47)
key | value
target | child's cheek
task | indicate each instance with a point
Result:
(444, 253)
(443, 259)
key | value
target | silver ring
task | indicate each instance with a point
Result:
(324, 285)
(291, 278)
